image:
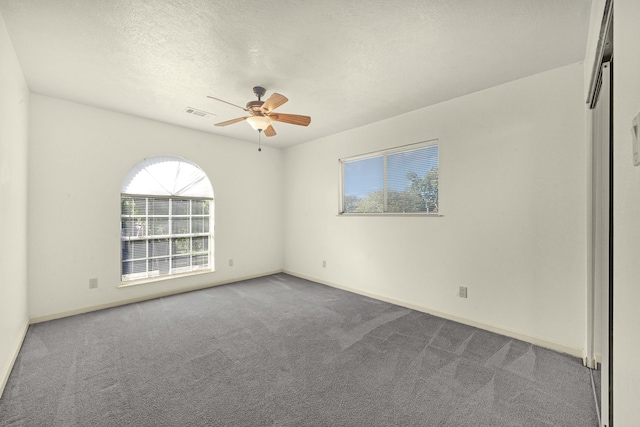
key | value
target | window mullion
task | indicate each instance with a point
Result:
(385, 193)
(190, 221)
(146, 232)
(171, 234)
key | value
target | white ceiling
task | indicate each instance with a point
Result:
(344, 63)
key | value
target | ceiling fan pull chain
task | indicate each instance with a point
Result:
(259, 133)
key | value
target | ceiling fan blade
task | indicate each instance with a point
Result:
(222, 100)
(293, 119)
(274, 101)
(270, 131)
(230, 122)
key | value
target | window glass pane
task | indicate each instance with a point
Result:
(412, 180)
(134, 249)
(137, 249)
(138, 267)
(200, 224)
(182, 245)
(200, 207)
(158, 206)
(200, 244)
(126, 267)
(180, 262)
(128, 227)
(180, 207)
(201, 261)
(134, 206)
(132, 227)
(159, 247)
(363, 185)
(158, 226)
(180, 225)
(159, 266)
(141, 228)
(125, 251)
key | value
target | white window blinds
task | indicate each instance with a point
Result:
(401, 180)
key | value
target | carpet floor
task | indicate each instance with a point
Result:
(282, 351)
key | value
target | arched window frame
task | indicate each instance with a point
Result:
(167, 210)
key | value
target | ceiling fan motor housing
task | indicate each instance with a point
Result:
(254, 106)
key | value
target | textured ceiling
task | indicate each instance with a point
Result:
(344, 63)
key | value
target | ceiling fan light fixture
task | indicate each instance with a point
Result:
(259, 123)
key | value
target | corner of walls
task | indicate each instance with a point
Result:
(14, 117)
(13, 351)
(78, 158)
(513, 196)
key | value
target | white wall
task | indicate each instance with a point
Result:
(626, 215)
(14, 104)
(78, 158)
(513, 195)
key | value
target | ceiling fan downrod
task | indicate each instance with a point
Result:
(259, 91)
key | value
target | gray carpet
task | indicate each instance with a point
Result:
(282, 351)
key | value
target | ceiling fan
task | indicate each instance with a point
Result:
(261, 113)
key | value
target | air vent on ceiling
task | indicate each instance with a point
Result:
(199, 113)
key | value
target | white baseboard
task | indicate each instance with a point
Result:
(89, 309)
(542, 342)
(9, 367)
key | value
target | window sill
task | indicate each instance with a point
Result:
(420, 214)
(162, 278)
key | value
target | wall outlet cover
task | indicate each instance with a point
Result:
(635, 134)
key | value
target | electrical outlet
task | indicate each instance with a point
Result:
(231, 262)
(93, 283)
(462, 291)
(324, 264)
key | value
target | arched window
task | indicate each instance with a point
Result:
(166, 219)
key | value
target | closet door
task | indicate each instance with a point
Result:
(601, 232)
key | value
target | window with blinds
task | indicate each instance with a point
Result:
(162, 236)
(402, 180)
(166, 220)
